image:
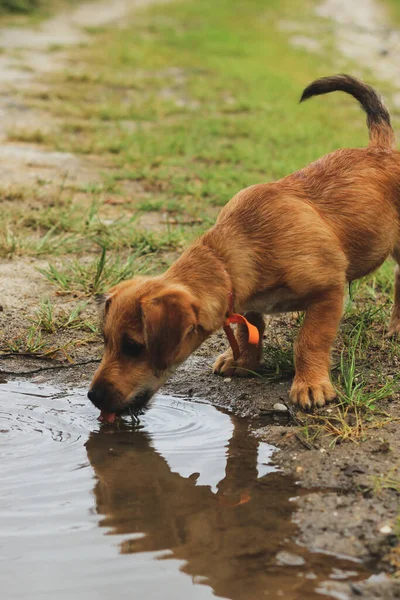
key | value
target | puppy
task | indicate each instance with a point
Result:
(276, 247)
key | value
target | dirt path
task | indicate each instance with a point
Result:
(363, 32)
(28, 53)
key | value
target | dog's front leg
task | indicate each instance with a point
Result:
(250, 356)
(312, 385)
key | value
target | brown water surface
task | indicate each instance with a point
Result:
(187, 507)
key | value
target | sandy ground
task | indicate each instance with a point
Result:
(362, 32)
(342, 514)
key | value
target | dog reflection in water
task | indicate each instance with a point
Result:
(228, 539)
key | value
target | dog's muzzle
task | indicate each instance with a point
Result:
(106, 398)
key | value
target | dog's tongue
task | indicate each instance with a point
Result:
(106, 417)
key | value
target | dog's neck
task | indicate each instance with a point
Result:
(204, 273)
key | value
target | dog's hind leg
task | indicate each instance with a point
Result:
(312, 385)
(250, 356)
(394, 323)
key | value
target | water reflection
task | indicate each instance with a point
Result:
(228, 536)
(193, 487)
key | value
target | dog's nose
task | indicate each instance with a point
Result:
(91, 395)
(97, 396)
(104, 396)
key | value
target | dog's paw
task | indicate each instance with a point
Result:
(226, 365)
(311, 393)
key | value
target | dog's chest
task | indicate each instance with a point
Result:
(277, 300)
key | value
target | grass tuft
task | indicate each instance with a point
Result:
(96, 276)
(49, 319)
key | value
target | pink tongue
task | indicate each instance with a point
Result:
(106, 417)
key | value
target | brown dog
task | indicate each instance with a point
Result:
(286, 246)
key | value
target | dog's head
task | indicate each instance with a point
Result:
(149, 327)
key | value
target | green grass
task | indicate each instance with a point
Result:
(388, 481)
(360, 390)
(393, 7)
(49, 319)
(31, 342)
(21, 12)
(20, 6)
(95, 276)
(55, 331)
(215, 110)
(193, 101)
(61, 226)
(353, 388)
(29, 136)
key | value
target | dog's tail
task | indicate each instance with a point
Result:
(378, 119)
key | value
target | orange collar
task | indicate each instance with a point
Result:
(232, 317)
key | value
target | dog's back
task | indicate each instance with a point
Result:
(347, 201)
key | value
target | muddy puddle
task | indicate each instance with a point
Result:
(188, 506)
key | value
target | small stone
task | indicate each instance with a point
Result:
(386, 529)
(227, 379)
(299, 469)
(289, 560)
(384, 447)
(351, 470)
(379, 578)
(356, 589)
(280, 407)
(340, 575)
(38, 379)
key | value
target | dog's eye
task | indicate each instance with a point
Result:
(131, 348)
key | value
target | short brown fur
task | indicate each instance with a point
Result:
(284, 246)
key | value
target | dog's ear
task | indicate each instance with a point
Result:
(167, 320)
(103, 304)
